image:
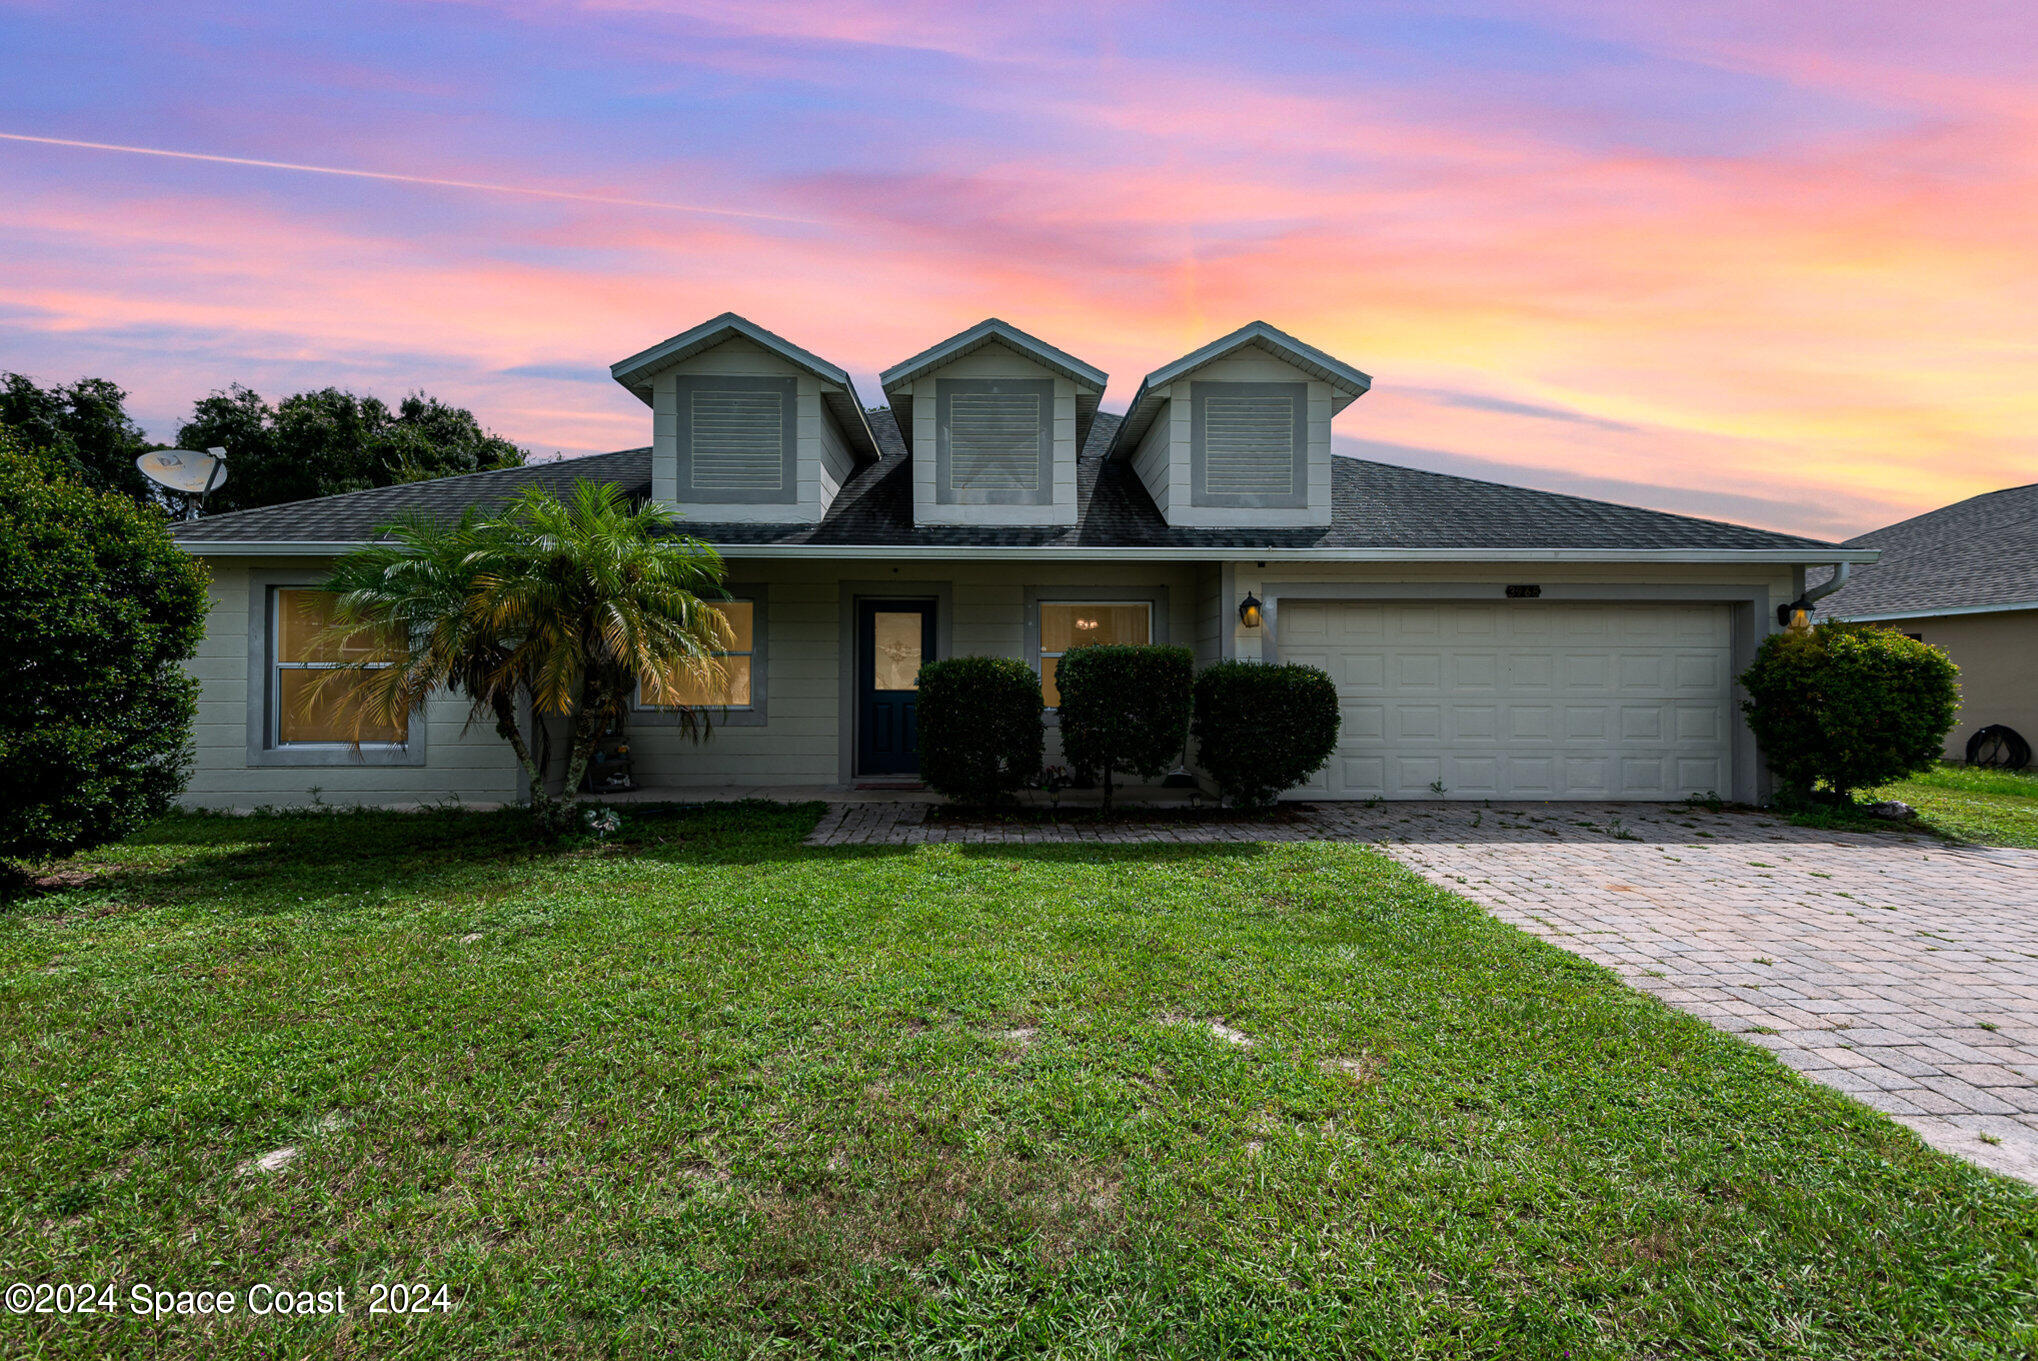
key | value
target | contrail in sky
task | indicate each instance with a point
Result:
(611, 200)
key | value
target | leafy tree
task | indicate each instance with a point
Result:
(558, 605)
(100, 610)
(1124, 707)
(82, 429)
(1849, 706)
(329, 441)
(980, 732)
(1261, 729)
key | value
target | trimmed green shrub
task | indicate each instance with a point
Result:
(980, 730)
(99, 611)
(1261, 729)
(1849, 706)
(1125, 707)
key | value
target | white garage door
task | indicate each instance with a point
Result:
(1521, 699)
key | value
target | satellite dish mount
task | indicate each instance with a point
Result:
(185, 476)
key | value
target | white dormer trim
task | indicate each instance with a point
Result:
(1089, 380)
(1346, 383)
(838, 392)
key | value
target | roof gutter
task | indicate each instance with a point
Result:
(1022, 553)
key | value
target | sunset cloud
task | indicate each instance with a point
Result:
(1771, 264)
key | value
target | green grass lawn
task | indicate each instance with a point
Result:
(710, 1093)
(1995, 807)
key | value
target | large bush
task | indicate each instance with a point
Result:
(99, 610)
(980, 732)
(1849, 706)
(1124, 707)
(1262, 729)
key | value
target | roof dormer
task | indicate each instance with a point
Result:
(994, 419)
(746, 425)
(1237, 433)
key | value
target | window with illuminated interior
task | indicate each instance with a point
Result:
(1072, 624)
(736, 688)
(308, 708)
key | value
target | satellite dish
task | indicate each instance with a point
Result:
(184, 472)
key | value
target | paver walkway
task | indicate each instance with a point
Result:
(1894, 967)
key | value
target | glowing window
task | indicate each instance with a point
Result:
(1065, 625)
(734, 690)
(307, 708)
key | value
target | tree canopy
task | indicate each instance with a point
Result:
(553, 606)
(80, 429)
(329, 441)
(101, 608)
(311, 444)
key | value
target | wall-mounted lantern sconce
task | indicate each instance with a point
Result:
(1796, 615)
(1249, 611)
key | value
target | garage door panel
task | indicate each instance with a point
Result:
(1473, 671)
(1474, 723)
(1542, 700)
(1699, 723)
(1701, 775)
(1586, 720)
(1416, 722)
(1531, 777)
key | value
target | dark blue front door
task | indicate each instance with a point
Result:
(893, 639)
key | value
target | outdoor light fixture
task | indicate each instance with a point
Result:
(1796, 615)
(1249, 611)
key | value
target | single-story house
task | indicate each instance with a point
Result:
(1963, 578)
(1489, 641)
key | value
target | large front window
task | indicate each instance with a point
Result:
(1071, 624)
(735, 687)
(308, 705)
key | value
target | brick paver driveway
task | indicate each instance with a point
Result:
(1895, 967)
(1899, 969)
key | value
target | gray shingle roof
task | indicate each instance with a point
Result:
(355, 516)
(1975, 553)
(1374, 505)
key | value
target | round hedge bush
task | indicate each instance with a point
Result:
(1849, 706)
(101, 608)
(980, 729)
(1125, 707)
(1261, 729)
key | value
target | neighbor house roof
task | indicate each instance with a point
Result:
(838, 393)
(1345, 381)
(1089, 379)
(1975, 556)
(1378, 510)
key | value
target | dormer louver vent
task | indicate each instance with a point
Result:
(738, 441)
(1250, 444)
(1249, 447)
(994, 441)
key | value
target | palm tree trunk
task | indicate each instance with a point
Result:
(588, 721)
(507, 728)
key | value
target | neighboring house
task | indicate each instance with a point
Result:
(1488, 641)
(1963, 578)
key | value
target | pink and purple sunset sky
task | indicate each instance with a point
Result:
(1776, 263)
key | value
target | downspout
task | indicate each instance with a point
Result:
(1798, 613)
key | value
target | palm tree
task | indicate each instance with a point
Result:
(558, 605)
